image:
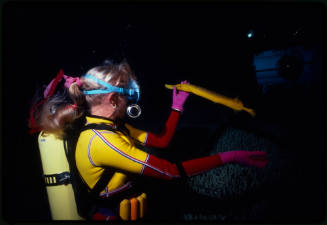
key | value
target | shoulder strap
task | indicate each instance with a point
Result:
(101, 126)
(70, 153)
(107, 174)
(120, 127)
(102, 183)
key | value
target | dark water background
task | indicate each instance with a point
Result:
(205, 43)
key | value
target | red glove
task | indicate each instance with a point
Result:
(250, 158)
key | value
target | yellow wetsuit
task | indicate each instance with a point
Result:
(115, 150)
(97, 149)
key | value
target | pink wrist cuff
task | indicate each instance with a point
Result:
(177, 108)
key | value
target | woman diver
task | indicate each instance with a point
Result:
(100, 99)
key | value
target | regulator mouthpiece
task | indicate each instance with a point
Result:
(133, 111)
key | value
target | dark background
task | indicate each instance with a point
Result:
(205, 43)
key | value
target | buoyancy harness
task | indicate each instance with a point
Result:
(88, 200)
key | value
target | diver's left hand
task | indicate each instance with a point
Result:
(179, 97)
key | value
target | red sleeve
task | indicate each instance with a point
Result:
(163, 139)
(160, 168)
(163, 169)
(196, 166)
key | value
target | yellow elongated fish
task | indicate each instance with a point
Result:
(233, 103)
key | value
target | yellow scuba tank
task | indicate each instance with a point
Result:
(56, 176)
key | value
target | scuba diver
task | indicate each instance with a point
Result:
(87, 114)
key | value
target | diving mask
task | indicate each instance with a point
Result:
(132, 93)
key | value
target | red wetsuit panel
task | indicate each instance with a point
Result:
(160, 168)
(163, 139)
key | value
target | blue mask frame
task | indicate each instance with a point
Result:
(132, 92)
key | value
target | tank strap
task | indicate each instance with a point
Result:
(107, 174)
(57, 179)
(100, 126)
(102, 183)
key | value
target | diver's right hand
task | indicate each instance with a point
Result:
(179, 98)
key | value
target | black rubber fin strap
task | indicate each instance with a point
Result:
(57, 179)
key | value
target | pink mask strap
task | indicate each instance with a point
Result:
(71, 80)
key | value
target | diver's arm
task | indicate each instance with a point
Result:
(163, 139)
(113, 151)
(160, 140)
(200, 165)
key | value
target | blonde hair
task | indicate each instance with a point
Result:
(60, 111)
(118, 75)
